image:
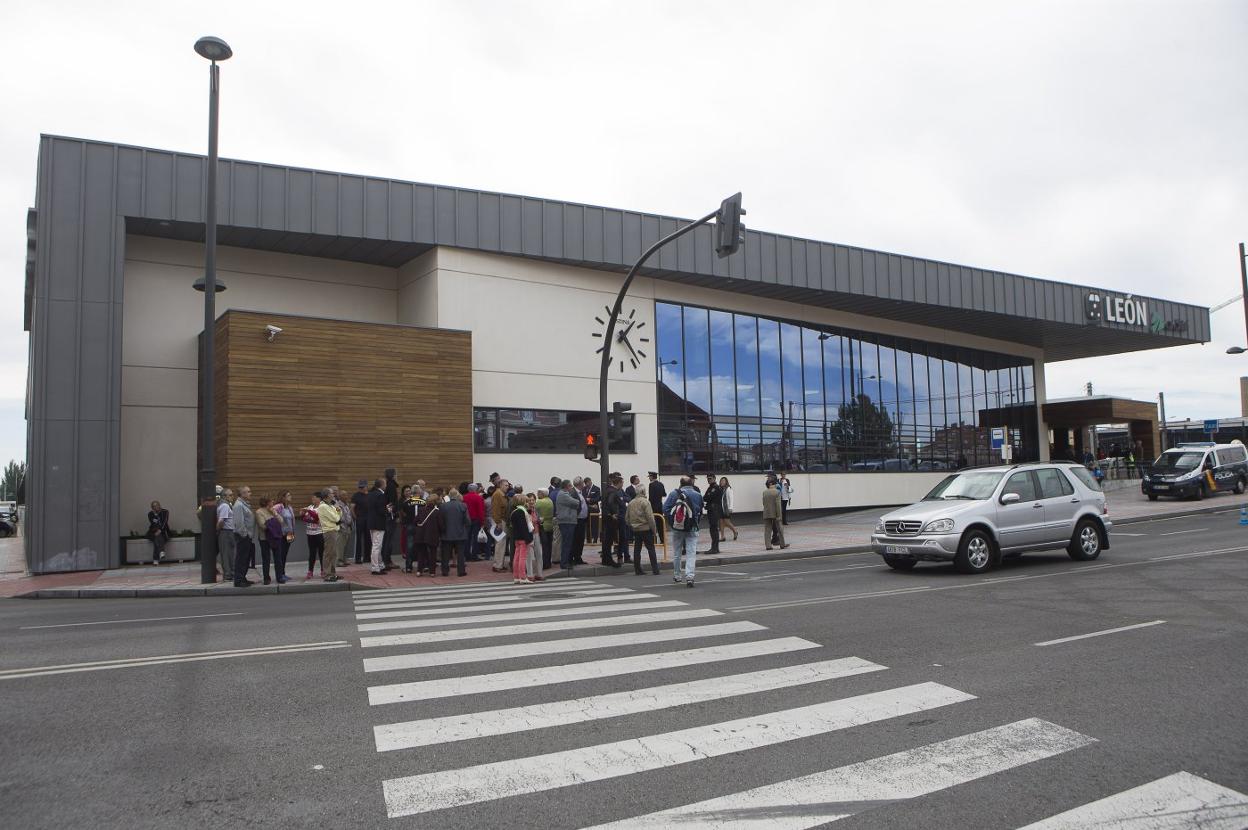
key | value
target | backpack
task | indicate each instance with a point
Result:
(682, 513)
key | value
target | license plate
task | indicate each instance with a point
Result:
(1161, 486)
(896, 549)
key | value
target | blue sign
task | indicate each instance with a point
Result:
(1211, 426)
(998, 437)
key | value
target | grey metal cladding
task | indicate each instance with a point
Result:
(85, 186)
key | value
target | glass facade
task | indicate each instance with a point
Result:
(541, 430)
(740, 392)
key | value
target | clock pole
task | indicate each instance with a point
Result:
(604, 453)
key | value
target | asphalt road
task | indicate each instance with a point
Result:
(286, 737)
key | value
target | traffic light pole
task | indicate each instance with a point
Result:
(604, 436)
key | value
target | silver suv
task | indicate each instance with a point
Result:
(975, 517)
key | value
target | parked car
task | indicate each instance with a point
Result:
(1185, 471)
(975, 517)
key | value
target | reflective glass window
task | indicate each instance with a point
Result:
(723, 375)
(670, 359)
(697, 362)
(746, 335)
(770, 388)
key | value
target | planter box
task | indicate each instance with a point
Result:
(179, 549)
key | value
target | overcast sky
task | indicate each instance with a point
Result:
(1092, 142)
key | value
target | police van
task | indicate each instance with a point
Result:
(1196, 470)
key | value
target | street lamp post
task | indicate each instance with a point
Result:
(214, 49)
(1243, 279)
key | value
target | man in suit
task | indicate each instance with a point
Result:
(771, 515)
(657, 493)
(378, 516)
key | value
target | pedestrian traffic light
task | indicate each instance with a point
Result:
(621, 425)
(591, 446)
(729, 231)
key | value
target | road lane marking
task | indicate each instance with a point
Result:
(437, 594)
(449, 604)
(118, 622)
(1118, 533)
(981, 583)
(794, 602)
(426, 793)
(547, 613)
(501, 585)
(1177, 532)
(477, 655)
(422, 637)
(452, 728)
(137, 662)
(823, 797)
(570, 672)
(1099, 633)
(1176, 802)
(541, 603)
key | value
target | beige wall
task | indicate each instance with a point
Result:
(161, 321)
(532, 347)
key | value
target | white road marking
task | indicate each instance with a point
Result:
(543, 614)
(1118, 533)
(562, 712)
(477, 655)
(1177, 532)
(1099, 633)
(501, 585)
(486, 782)
(484, 591)
(523, 603)
(137, 662)
(571, 672)
(145, 619)
(1175, 802)
(422, 637)
(450, 604)
(785, 574)
(823, 797)
(834, 598)
(926, 588)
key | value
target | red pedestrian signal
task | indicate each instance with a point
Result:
(591, 446)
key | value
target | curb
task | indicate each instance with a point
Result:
(704, 561)
(221, 589)
(1194, 511)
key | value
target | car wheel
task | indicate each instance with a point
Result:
(900, 563)
(1239, 486)
(1200, 492)
(975, 553)
(1085, 545)
(1152, 497)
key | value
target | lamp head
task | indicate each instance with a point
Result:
(1236, 350)
(213, 48)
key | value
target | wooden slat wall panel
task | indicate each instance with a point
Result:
(331, 401)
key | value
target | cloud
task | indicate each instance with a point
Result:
(1090, 142)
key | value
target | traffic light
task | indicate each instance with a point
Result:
(591, 446)
(729, 231)
(621, 426)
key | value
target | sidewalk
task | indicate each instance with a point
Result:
(808, 537)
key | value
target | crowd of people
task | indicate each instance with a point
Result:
(524, 531)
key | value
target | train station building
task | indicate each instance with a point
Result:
(451, 333)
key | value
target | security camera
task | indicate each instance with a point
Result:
(273, 331)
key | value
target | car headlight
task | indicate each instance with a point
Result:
(939, 526)
(879, 526)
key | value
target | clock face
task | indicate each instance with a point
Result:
(629, 340)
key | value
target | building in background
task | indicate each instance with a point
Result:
(452, 332)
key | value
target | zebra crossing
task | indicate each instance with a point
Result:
(420, 714)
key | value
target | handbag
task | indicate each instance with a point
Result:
(481, 537)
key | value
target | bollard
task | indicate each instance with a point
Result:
(1243, 515)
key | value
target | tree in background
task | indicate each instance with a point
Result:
(862, 431)
(13, 484)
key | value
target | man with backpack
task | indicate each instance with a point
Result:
(683, 509)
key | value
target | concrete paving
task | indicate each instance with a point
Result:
(233, 711)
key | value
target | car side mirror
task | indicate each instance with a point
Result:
(1011, 498)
